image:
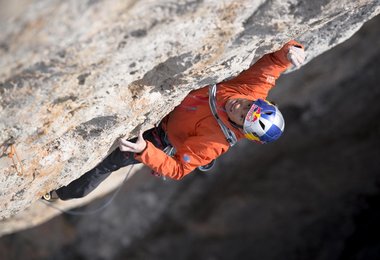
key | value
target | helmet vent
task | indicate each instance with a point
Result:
(262, 124)
(268, 113)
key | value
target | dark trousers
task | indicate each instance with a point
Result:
(117, 159)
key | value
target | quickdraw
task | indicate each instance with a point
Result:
(8, 149)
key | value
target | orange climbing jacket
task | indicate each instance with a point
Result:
(193, 130)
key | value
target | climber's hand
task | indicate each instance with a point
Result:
(296, 55)
(127, 146)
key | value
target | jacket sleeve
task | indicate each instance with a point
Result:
(196, 151)
(262, 75)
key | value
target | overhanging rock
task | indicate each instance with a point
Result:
(76, 75)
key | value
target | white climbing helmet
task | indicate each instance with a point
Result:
(263, 123)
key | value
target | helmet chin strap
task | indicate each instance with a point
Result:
(240, 127)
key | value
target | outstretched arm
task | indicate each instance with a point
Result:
(262, 75)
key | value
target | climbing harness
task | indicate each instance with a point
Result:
(207, 167)
(163, 141)
(230, 136)
(170, 151)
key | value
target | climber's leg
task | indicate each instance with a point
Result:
(91, 179)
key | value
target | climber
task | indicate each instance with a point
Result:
(207, 122)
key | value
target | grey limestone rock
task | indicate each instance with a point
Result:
(76, 75)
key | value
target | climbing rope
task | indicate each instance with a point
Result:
(89, 212)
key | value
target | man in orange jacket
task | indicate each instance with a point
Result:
(196, 133)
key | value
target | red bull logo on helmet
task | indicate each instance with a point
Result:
(253, 114)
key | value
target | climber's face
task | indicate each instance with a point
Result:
(237, 109)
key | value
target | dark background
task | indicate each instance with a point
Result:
(314, 194)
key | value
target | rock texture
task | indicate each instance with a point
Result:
(76, 75)
(312, 195)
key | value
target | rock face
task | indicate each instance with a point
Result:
(314, 194)
(76, 75)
